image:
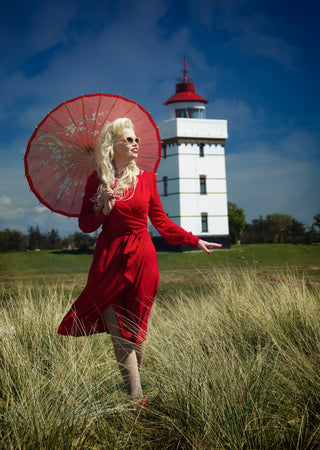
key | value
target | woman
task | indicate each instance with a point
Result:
(123, 278)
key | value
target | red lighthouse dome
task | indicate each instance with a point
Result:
(186, 103)
(185, 90)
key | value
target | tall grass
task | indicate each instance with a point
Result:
(236, 366)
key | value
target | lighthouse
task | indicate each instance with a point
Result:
(192, 172)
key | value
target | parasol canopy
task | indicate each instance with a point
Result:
(60, 153)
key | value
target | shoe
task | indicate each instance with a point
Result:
(143, 403)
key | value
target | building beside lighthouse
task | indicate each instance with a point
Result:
(192, 172)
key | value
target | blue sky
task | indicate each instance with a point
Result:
(256, 62)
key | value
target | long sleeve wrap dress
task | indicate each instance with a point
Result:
(124, 270)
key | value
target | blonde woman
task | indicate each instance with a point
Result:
(123, 278)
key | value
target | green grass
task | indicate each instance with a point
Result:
(235, 366)
(265, 255)
(259, 256)
(43, 262)
(187, 271)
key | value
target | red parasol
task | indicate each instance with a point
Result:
(60, 154)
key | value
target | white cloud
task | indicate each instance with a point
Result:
(299, 145)
(238, 113)
(39, 209)
(253, 35)
(119, 58)
(265, 179)
(5, 201)
(41, 27)
(20, 209)
(21, 218)
(8, 212)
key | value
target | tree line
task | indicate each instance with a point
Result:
(35, 240)
(274, 228)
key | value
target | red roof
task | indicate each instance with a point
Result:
(185, 92)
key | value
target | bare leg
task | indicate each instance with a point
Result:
(125, 354)
(140, 350)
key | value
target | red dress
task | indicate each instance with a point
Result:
(124, 270)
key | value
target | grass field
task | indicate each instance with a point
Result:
(67, 267)
(233, 356)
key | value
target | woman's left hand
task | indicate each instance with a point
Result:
(204, 245)
(109, 201)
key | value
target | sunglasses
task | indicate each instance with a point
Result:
(130, 140)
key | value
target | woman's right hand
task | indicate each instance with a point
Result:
(109, 201)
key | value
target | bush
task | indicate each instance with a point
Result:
(12, 240)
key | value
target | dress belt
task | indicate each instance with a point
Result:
(132, 243)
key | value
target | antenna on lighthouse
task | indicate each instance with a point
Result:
(185, 92)
(186, 77)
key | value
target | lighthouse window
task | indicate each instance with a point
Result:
(190, 113)
(182, 112)
(203, 184)
(164, 152)
(198, 114)
(204, 222)
(201, 150)
(165, 186)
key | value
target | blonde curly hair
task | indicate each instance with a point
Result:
(106, 168)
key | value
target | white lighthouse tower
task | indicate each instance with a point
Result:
(192, 173)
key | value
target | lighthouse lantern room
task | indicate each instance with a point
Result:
(192, 174)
